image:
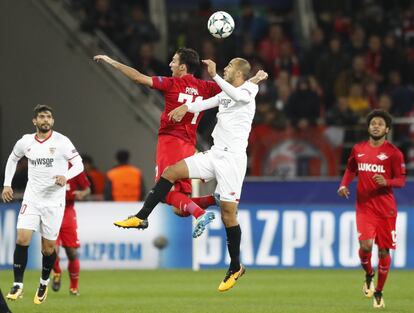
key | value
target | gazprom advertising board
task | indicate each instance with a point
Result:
(284, 225)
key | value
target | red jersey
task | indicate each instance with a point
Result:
(79, 182)
(177, 91)
(366, 161)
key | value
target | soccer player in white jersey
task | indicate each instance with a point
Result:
(43, 203)
(227, 159)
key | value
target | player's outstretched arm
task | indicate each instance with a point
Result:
(260, 76)
(193, 107)
(130, 72)
(178, 113)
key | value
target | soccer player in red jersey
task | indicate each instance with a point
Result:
(176, 141)
(380, 167)
(77, 188)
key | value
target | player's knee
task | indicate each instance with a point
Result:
(229, 219)
(23, 240)
(72, 253)
(382, 253)
(366, 247)
(170, 173)
(175, 172)
(48, 250)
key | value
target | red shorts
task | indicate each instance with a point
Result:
(170, 150)
(382, 229)
(68, 234)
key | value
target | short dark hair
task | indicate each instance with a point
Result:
(380, 113)
(122, 156)
(190, 58)
(86, 158)
(41, 108)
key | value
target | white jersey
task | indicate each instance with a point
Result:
(234, 119)
(46, 159)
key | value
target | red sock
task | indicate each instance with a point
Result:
(184, 203)
(383, 269)
(74, 269)
(56, 266)
(204, 201)
(365, 258)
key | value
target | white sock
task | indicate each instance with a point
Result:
(44, 282)
(18, 284)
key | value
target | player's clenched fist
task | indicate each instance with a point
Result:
(104, 58)
(380, 180)
(60, 180)
(7, 194)
(211, 67)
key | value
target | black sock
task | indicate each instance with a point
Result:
(155, 196)
(19, 262)
(233, 245)
(47, 264)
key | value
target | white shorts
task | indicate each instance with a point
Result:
(228, 168)
(44, 219)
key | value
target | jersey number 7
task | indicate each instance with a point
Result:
(186, 98)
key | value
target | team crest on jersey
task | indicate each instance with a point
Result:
(52, 150)
(382, 156)
(225, 103)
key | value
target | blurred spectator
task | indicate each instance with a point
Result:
(341, 114)
(358, 103)
(146, 62)
(348, 77)
(371, 92)
(209, 51)
(303, 107)
(328, 67)
(101, 16)
(313, 54)
(250, 26)
(393, 57)
(408, 26)
(356, 44)
(249, 53)
(342, 24)
(286, 61)
(402, 96)
(269, 47)
(96, 178)
(370, 14)
(138, 30)
(373, 58)
(124, 181)
(283, 94)
(341, 124)
(385, 102)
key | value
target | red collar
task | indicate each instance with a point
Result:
(42, 141)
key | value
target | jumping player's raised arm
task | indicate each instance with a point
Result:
(238, 95)
(193, 107)
(128, 71)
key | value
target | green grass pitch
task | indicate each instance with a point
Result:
(181, 291)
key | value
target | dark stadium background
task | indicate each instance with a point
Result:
(329, 62)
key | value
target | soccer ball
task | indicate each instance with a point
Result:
(220, 24)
